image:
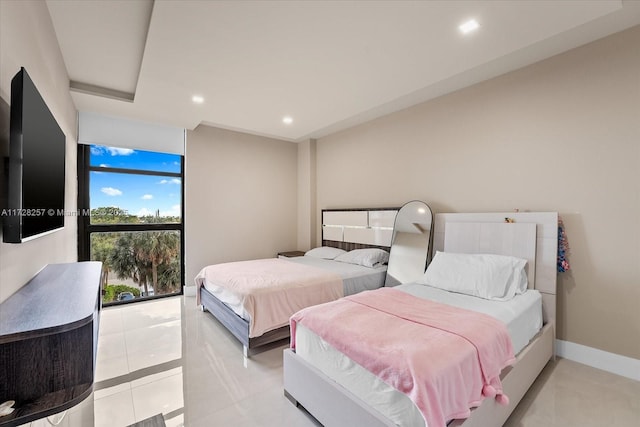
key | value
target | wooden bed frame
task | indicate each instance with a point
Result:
(350, 219)
(333, 405)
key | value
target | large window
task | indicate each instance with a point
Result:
(131, 205)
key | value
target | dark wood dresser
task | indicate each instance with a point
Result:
(48, 341)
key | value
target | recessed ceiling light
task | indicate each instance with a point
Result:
(197, 99)
(469, 26)
(287, 120)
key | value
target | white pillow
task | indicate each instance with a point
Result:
(326, 252)
(493, 277)
(371, 257)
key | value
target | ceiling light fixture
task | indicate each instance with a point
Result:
(287, 120)
(469, 26)
(197, 99)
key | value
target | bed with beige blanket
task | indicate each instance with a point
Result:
(259, 296)
(254, 299)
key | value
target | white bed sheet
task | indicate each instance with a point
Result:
(355, 278)
(522, 316)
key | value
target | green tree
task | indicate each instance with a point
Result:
(101, 247)
(157, 219)
(126, 263)
(102, 244)
(147, 257)
(170, 276)
(157, 249)
(112, 215)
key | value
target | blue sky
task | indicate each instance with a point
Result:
(137, 194)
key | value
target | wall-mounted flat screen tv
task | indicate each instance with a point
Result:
(36, 177)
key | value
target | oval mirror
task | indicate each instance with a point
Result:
(410, 244)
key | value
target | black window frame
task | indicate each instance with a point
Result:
(85, 228)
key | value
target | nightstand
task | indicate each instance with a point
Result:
(290, 254)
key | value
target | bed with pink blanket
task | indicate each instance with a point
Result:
(255, 299)
(418, 355)
(445, 359)
(269, 290)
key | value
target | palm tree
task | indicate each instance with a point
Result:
(158, 248)
(124, 259)
(170, 276)
(141, 255)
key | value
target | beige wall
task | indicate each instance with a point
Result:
(240, 197)
(27, 39)
(307, 210)
(560, 135)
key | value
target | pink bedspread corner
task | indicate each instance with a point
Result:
(440, 356)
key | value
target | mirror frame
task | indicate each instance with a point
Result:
(410, 251)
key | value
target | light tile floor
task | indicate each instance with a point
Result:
(166, 356)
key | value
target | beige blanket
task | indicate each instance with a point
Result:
(272, 290)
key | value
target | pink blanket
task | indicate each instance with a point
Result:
(271, 290)
(445, 359)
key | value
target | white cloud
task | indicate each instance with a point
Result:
(170, 181)
(174, 211)
(103, 165)
(145, 212)
(114, 151)
(98, 150)
(110, 191)
(147, 197)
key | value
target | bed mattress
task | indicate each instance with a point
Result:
(355, 278)
(522, 316)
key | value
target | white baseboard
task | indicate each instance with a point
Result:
(610, 362)
(189, 291)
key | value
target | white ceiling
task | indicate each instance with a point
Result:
(327, 64)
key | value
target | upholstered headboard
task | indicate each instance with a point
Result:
(478, 232)
(350, 229)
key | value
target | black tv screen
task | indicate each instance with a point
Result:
(36, 178)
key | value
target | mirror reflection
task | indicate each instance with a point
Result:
(410, 244)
